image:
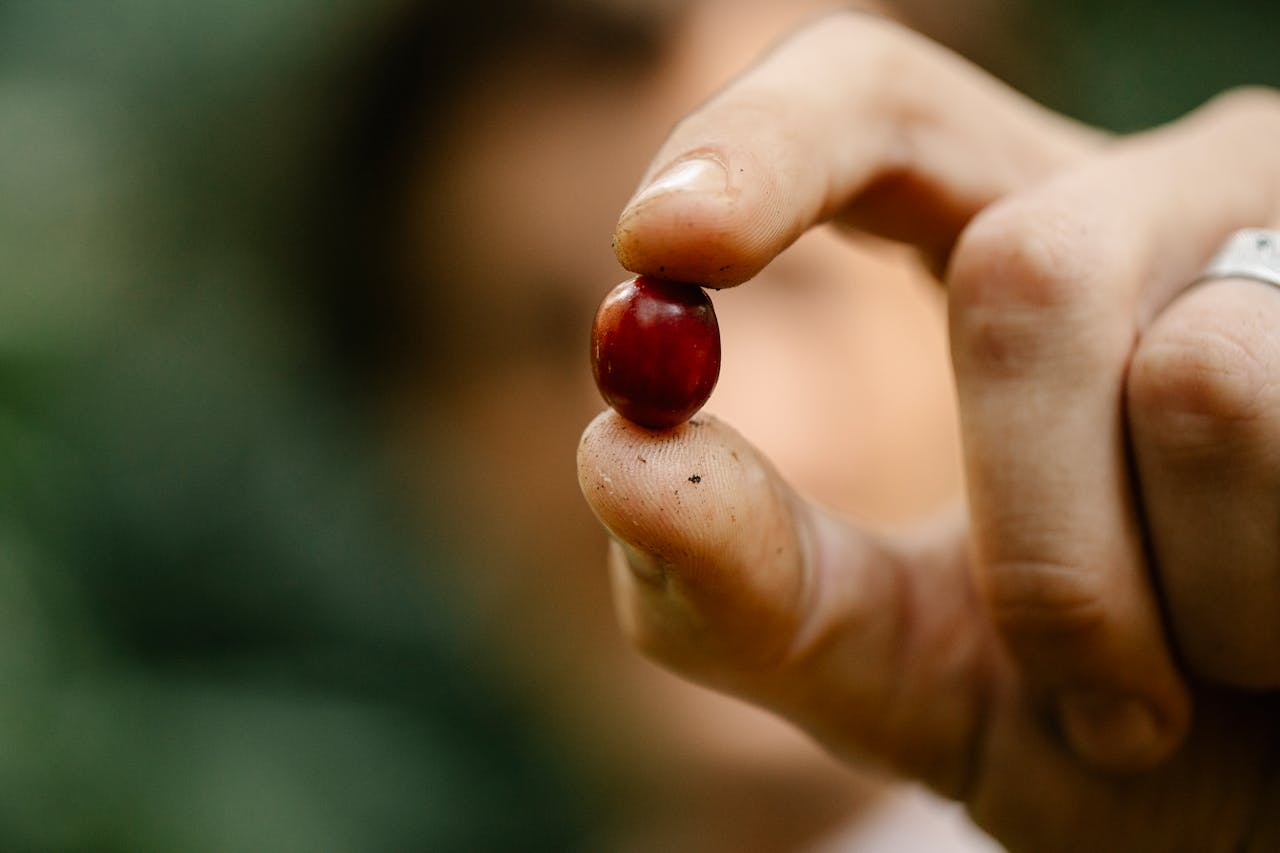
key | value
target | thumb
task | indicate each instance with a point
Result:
(725, 575)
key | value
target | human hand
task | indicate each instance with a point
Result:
(1012, 659)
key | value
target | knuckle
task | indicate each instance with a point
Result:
(1043, 601)
(1248, 104)
(882, 50)
(836, 32)
(1199, 390)
(849, 23)
(1017, 255)
(1020, 286)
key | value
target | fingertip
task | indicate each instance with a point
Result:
(682, 491)
(624, 471)
(708, 569)
(714, 217)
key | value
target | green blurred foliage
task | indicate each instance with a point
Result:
(1131, 64)
(213, 633)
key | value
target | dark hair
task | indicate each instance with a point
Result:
(407, 79)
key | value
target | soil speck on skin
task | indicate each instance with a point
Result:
(643, 461)
(734, 454)
(696, 478)
(725, 267)
(662, 268)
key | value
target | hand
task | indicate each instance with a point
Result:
(1016, 658)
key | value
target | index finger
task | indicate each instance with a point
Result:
(852, 116)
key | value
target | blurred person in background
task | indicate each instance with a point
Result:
(223, 631)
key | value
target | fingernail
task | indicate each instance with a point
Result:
(643, 565)
(1112, 731)
(702, 174)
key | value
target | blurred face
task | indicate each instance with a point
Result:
(834, 363)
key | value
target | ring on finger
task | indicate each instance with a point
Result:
(1252, 253)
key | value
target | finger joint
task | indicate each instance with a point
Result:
(1022, 292)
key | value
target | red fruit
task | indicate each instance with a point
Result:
(655, 351)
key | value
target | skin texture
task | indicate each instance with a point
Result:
(1017, 656)
(655, 351)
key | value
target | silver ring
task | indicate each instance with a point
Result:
(1251, 253)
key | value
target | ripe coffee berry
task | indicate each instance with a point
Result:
(655, 351)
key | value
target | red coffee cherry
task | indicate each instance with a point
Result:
(655, 351)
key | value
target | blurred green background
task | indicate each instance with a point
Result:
(213, 633)
(218, 629)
